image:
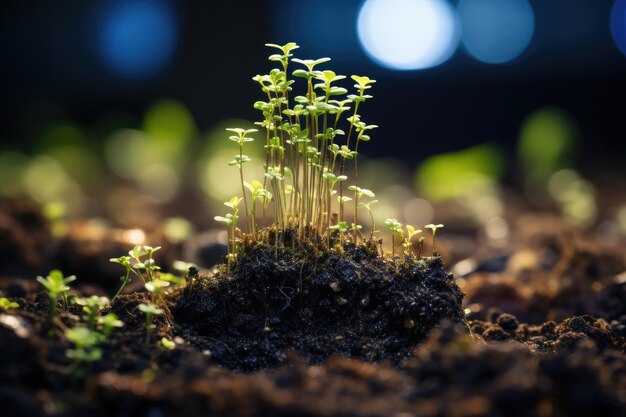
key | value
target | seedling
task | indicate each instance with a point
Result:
(56, 285)
(410, 232)
(258, 192)
(139, 262)
(125, 279)
(231, 223)
(241, 137)
(150, 310)
(92, 307)
(421, 245)
(368, 207)
(396, 229)
(85, 349)
(434, 228)
(6, 304)
(167, 344)
(358, 193)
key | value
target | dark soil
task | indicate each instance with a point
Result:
(315, 303)
(316, 333)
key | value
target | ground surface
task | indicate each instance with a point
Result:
(339, 336)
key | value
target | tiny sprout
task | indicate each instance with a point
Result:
(421, 245)
(368, 207)
(108, 322)
(156, 286)
(434, 228)
(92, 307)
(231, 224)
(410, 232)
(125, 279)
(6, 304)
(396, 228)
(85, 343)
(167, 344)
(56, 285)
(150, 310)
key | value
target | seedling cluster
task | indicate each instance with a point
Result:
(310, 140)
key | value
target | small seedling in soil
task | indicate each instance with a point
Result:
(56, 285)
(167, 344)
(396, 229)
(86, 350)
(420, 242)
(6, 304)
(410, 232)
(434, 228)
(150, 310)
(92, 306)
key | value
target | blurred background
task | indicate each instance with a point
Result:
(115, 110)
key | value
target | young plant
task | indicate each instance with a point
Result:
(241, 137)
(150, 310)
(258, 192)
(420, 242)
(167, 344)
(56, 286)
(231, 224)
(139, 262)
(410, 232)
(6, 304)
(368, 207)
(125, 279)
(396, 229)
(86, 347)
(92, 306)
(144, 262)
(433, 228)
(358, 193)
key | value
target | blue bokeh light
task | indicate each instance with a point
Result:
(496, 31)
(408, 34)
(618, 24)
(137, 38)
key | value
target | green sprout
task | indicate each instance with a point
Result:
(358, 193)
(258, 192)
(125, 279)
(86, 347)
(420, 241)
(92, 306)
(155, 287)
(107, 323)
(231, 223)
(150, 310)
(6, 304)
(241, 137)
(139, 262)
(410, 232)
(434, 228)
(368, 207)
(167, 344)
(56, 285)
(396, 229)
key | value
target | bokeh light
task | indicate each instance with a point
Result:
(496, 31)
(170, 124)
(408, 34)
(452, 175)
(548, 140)
(618, 24)
(137, 38)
